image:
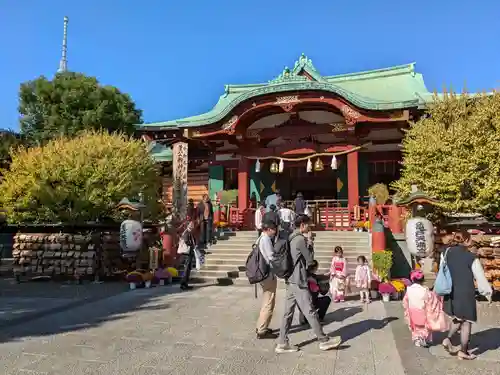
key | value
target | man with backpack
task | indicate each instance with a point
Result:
(297, 292)
(262, 270)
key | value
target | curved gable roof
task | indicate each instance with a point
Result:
(391, 88)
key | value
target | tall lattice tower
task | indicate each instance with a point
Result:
(63, 64)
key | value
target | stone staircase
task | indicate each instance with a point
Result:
(225, 261)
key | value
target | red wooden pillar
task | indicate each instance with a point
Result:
(378, 236)
(352, 180)
(243, 183)
(395, 222)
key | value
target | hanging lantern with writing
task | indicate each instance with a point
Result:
(257, 166)
(130, 236)
(309, 166)
(318, 165)
(419, 233)
(274, 167)
(281, 166)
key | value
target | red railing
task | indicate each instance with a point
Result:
(233, 218)
(331, 215)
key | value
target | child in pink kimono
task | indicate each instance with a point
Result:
(338, 275)
(423, 311)
(363, 279)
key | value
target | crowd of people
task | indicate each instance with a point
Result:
(425, 311)
(311, 293)
(198, 235)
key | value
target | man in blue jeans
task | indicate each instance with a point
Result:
(297, 292)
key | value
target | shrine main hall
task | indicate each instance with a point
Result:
(328, 137)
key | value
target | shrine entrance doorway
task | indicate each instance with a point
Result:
(314, 185)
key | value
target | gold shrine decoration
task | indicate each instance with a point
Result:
(274, 167)
(318, 165)
(309, 156)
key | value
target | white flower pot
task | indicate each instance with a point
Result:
(386, 297)
(374, 294)
(147, 284)
(132, 286)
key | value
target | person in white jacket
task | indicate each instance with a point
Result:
(259, 214)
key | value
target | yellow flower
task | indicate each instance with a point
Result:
(172, 271)
(398, 285)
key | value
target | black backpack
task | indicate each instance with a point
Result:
(282, 263)
(257, 269)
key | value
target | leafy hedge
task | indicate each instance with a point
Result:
(78, 180)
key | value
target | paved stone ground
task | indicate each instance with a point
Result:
(30, 300)
(209, 331)
(485, 342)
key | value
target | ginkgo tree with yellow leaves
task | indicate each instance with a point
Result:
(80, 179)
(452, 153)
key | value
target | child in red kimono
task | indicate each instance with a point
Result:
(339, 281)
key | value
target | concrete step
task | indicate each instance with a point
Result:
(317, 244)
(317, 234)
(348, 252)
(241, 258)
(325, 234)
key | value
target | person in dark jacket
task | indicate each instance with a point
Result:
(190, 241)
(206, 220)
(320, 300)
(460, 305)
(300, 204)
(272, 216)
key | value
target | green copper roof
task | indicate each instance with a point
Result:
(160, 153)
(397, 87)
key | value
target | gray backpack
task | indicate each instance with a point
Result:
(257, 269)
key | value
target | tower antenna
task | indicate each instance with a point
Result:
(63, 64)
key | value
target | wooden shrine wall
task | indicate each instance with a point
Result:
(197, 186)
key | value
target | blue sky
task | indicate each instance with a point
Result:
(174, 57)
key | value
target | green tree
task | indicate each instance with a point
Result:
(8, 140)
(453, 153)
(78, 179)
(70, 103)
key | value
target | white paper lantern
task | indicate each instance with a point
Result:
(257, 166)
(281, 166)
(309, 166)
(334, 162)
(419, 236)
(130, 236)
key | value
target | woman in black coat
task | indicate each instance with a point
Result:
(460, 304)
(190, 241)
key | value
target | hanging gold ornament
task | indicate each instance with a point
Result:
(281, 166)
(334, 162)
(309, 166)
(318, 165)
(257, 166)
(274, 167)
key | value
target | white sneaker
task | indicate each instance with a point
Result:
(332, 343)
(286, 348)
